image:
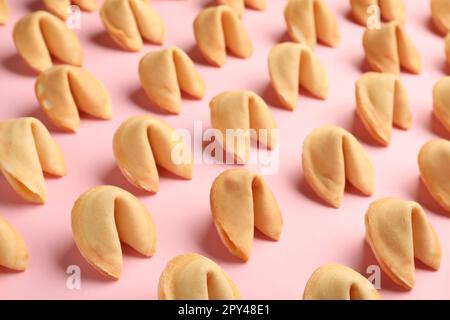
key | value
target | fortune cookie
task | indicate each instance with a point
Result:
(40, 36)
(382, 101)
(239, 5)
(141, 143)
(164, 74)
(447, 48)
(61, 8)
(441, 101)
(389, 10)
(235, 114)
(195, 277)
(440, 14)
(27, 150)
(331, 156)
(13, 251)
(129, 22)
(240, 201)
(311, 20)
(434, 160)
(398, 231)
(62, 90)
(105, 216)
(218, 29)
(338, 282)
(4, 12)
(292, 65)
(389, 48)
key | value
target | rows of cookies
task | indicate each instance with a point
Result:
(397, 230)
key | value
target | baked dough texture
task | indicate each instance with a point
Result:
(292, 65)
(390, 10)
(434, 159)
(218, 29)
(339, 282)
(242, 111)
(40, 36)
(309, 21)
(103, 218)
(240, 5)
(381, 102)
(26, 151)
(130, 22)
(398, 231)
(332, 157)
(165, 74)
(142, 143)
(240, 201)
(60, 8)
(63, 91)
(13, 250)
(194, 277)
(389, 48)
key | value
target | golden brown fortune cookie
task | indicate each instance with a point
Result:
(239, 5)
(292, 65)
(398, 231)
(235, 114)
(382, 101)
(164, 74)
(389, 10)
(4, 12)
(61, 8)
(441, 101)
(129, 22)
(40, 36)
(338, 282)
(434, 159)
(389, 48)
(218, 29)
(447, 48)
(311, 20)
(440, 15)
(63, 90)
(143, 142)
(27, 150)
(331, 156)
(195, 277)
(240, 201)
(13, 250)
(105, 216)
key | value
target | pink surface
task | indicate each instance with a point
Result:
(313, 233)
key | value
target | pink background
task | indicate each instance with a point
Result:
(313, 233)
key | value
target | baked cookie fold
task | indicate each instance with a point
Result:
(13, 250)
(389, 48)
(331, 157)
(235, 114)
(338, 282)
(309, 21)
(142, 143)
(165, 74)
(130, 22)
(105, 216)
(381, 102)
(240, 201)
(195, 277)
(398, 231)
(292, 65)
(218, 29)
(26, 151)
(40, 36)
(63, 91)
